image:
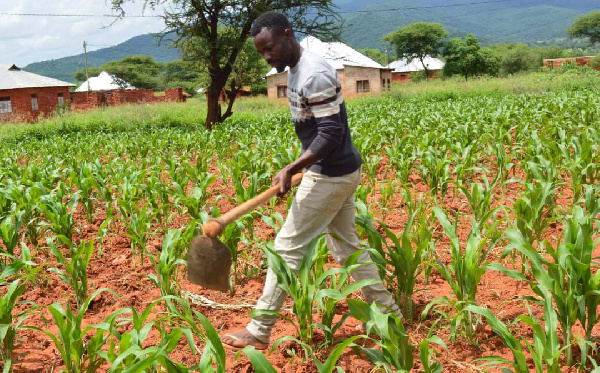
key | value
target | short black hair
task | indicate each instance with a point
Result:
(270, 20)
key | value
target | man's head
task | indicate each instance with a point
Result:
(274, 39)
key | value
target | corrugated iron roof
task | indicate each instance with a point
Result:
(11, 77)
(402, 65)
(104, 82)
(336, 54)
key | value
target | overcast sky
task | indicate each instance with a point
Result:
(25, 39)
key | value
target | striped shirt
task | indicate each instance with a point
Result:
(319, 116)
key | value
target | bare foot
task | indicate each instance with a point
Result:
(240, 339)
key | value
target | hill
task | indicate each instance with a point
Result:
(63, 68)
(535, 22)
(500, 21)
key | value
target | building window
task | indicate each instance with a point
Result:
(61, 99)
(5, 105)
(550, 64)
(362, 86)
(389, 84)
(282, 91)
(34, 103)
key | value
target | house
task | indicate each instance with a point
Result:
(358, 73)
(26, 96)
(551, 63)
(402, 69)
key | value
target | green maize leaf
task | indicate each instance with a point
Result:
(334, 355)
(258, 360)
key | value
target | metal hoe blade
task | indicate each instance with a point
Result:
(209, 262)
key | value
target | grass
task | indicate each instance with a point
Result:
(143, 117)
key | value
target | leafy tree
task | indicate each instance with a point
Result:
(515, 58)
(586, 26)
(248, 69)
(180, 73)
(82, 76)
(418, 40)
(468, 58)
(595, 62)
(376, 55)
(139, 71)
(223, 26)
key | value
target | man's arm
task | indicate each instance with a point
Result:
(284, 177)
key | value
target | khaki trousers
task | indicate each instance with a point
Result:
(322, 204)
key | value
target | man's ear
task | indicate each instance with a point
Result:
(289, 34)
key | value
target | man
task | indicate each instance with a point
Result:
(324, 201)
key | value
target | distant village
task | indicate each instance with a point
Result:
(27, 96)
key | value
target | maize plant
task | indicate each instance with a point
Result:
(9, 231)
(168, 263)
(395, 352)
(464, 272)
(534, 211)
(338, 289)
(10, 321)
(79, 351)
(59, 214)
(127, 352)
(75, 266)
(568, 277)
(405, 256)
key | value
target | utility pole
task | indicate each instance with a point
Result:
(387, 56)
(86, 67)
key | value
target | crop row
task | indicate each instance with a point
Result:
(451, 163)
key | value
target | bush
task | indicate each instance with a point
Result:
(595, 62)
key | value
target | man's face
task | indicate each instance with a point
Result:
(275, 46)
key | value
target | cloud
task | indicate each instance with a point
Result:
(25, 39)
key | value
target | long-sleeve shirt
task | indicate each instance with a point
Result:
(319, 116)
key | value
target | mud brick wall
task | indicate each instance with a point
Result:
(90, 100)
(579, 61)
(174, 95)
(21, 102)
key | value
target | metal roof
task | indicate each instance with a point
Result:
(103, 82)
(11, 77)
(336, 54)
(403, 66)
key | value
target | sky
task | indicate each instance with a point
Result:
(25, 39)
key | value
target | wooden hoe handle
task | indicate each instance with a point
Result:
(214, 227)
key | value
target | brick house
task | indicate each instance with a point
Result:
(27, 96)
(551, 63)
(358, 73)
(402, 70)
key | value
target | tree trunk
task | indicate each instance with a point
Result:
(213, 107)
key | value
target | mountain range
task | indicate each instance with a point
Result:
(535, 22)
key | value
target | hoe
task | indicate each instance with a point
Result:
(209, 260)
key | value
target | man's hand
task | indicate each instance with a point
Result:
(284, 179)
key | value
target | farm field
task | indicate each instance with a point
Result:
(480, 203)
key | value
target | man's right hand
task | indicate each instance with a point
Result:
(284, 179)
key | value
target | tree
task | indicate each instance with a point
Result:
(180, 73)
(468, 58)
(139, 71)
(515, 58)
(587, 26)
(82, 76)
(417, 41)
(376, 55)
(222, 27)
